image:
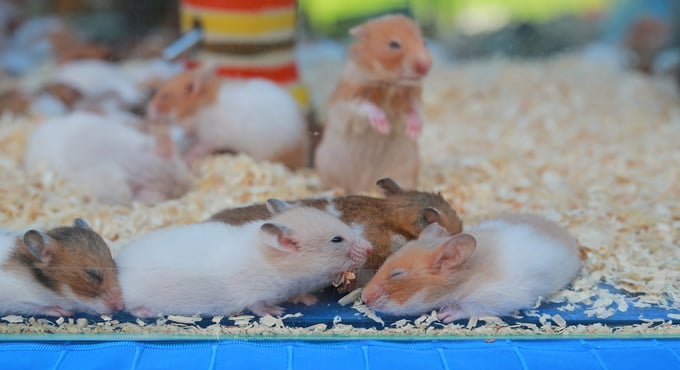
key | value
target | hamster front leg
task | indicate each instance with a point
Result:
(198, 150)
(414, 125)
(56, 311)
(452, 313)
(376, 116)
(263, 308)
(306, 299)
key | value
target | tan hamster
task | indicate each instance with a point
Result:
(253, 116)
(500, 265)
(387, 222)
(57, 272)
(374, 115)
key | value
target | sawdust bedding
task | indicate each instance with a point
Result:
(591, 146)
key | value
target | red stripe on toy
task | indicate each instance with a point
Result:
(241, 5)
(281, 75)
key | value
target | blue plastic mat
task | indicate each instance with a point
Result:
(468, 354)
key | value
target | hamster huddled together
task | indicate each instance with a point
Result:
(258, 256)
(408, 248)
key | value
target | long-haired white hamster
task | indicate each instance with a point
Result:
(212, 268)
(115, 162)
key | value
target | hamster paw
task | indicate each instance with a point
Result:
(56, 311)
(379, 121)
(142, 312)
(263, 309)
(306, 299)
(413, 126)
(450, 314)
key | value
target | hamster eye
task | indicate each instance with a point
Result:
(398, 273)
(337, 239)
(94, 276)
(394, 44)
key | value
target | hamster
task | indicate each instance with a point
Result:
(387, 222)
(213, 268)
(253, 116)
(57, 272)
(115, 162)
(373, 117)
(501, 265)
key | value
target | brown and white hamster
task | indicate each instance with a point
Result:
(373, 119)
(212, 268)
(387, 222)
(252, 116)
(57, 272)
(500, 265)
(113, 161)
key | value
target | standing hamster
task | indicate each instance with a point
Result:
(115, 162)
(57, 272)
(373, 118)
(501, 265)
(253, 116)
(387, 222)
(213, 268)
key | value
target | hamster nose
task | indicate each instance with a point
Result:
(422, 66)
(371, 294)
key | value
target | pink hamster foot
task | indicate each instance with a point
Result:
(197, 151)
(263, 309)
(376, 116)
(414, 126)
(306, 299)
(56, 311)
(451, 313)
(141, 312)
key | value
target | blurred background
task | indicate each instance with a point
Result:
(467, 28)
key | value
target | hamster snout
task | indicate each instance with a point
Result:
(360, 251)
(374, 296)
(422, 65)
(113, 300)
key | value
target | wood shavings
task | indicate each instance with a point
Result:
(351, 297)
(184, 319)
(13, 319)
(364, 309)
(588, 146)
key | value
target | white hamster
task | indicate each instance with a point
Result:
(501, 265)
(213, 268)
(115, 162)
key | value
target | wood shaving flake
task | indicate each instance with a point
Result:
(13, 318)
(184, 319)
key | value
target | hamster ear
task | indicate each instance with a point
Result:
(389, 186)
(80, 223)
(433, 231)
(454, 252)
(278, 236)
(276, 206)
(40, 245)
(428, 216)
(357, 31)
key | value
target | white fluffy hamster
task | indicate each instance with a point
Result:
(113, 161)
(501, 265)
(57, 272)
(213, 268)
(252, 116)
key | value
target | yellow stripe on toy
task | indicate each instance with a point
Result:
(241, 26)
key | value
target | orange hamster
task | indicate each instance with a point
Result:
(374, 115)
(498, 266)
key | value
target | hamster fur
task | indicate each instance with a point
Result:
(500, 265)
(57, 272)
(116, 163)
(388, 223)
(373, 118)
(253, 116)
(216, 269)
